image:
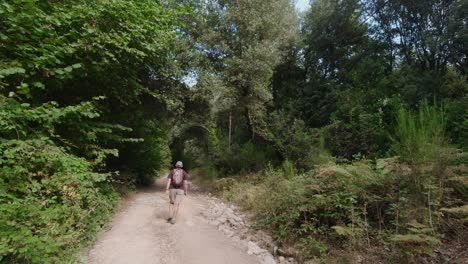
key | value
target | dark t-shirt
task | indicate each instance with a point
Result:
(172, 186)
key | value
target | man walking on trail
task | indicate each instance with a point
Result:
(177, 187)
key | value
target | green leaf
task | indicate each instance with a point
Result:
(11, 71)
(39, 85)
(23, 89)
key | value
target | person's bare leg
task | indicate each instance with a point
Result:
(176, 209)
(171, 211)
(176, 212)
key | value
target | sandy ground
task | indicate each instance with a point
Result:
(140, 234)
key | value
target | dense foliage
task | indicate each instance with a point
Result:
(51, 200)
(409, 204)
(82, 85)
(365, 101)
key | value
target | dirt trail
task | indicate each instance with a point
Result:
(140, 234)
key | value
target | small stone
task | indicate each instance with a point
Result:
(279, 251)
(254, 249)
(216, 223)
(275, 250)
(359, 259)
(268, 259)
(281, 259)
(228, 233)
(229, 214)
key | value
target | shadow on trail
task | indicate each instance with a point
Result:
(159, 185)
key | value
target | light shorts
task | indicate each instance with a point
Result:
(176, 196)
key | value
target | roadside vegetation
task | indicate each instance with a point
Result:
(402, 208)
(353, 145)
(72, 73)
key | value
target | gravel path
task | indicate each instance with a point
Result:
(140, 234)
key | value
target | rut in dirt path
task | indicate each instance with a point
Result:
(140, 234)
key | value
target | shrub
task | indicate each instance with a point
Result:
(420, 143)
(295, 142)
(419, 239)
(288, 169)
(51, 202)
(308, 209)
(362, 134)
(420, 136)
(248, 157)
(148, 157)
(245, 194)
(351, 206)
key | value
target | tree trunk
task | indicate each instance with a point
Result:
(249, 124)
(230, 130)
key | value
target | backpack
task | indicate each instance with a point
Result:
(177, 177)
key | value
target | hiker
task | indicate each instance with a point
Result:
(177, 187)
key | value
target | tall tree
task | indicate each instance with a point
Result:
(428, 34)
(335, 42)
(244, 40)
(71, 52)
(334, 36)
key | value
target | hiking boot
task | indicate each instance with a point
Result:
(169, 219)
(172, 221)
